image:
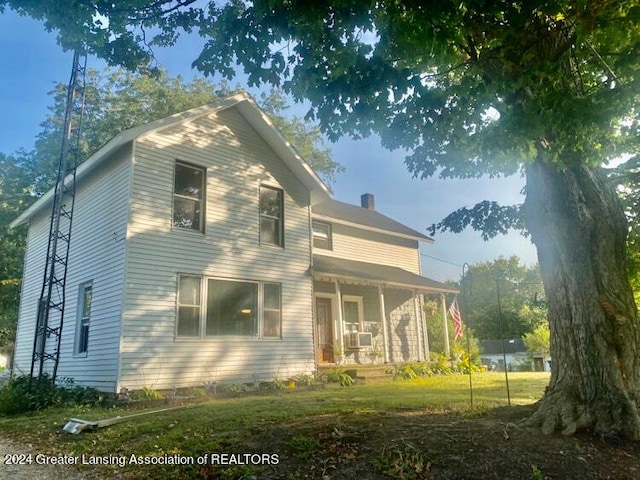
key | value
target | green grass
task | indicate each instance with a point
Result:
(223, 424)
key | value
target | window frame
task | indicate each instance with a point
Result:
(83, 319)
(204, 305)
(205, 314)
(329, 234)
(197, 306)
(202, 199)
(279, 219)
(358, 300)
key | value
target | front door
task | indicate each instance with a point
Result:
(324, 330)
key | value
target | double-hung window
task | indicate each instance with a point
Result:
(188, 306)
(225, 307)
(189, 197)
(322, 235)
(353, 311)
(271, 216)
(85, 296)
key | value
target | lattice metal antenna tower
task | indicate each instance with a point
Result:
(50, 319)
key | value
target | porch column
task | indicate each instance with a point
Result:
(422, 330)
(445, 325)
(340, 329)
(425, 330)
(383, 317)
(418, 331)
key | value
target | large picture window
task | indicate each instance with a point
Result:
(188, 197)
(271, 216)
(223, 307)
(232, 308)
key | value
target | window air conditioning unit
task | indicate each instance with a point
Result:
(359, 340)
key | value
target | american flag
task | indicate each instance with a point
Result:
(454, 311)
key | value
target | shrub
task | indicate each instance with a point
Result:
(25, 394)
(275, 384)
(305, 380)
(145, 394)
(336, 375)
(441, 366)
(411, 370)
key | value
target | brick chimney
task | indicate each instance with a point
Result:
(367, 201)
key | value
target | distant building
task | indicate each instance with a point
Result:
(516, 354)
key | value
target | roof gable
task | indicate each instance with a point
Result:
(247, 107)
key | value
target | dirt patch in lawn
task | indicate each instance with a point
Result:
(425, 445)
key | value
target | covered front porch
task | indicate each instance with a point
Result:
(370, 314)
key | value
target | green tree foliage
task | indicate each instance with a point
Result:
(522, 298)
(545, 88)
(15, 195)
(539, 340)
(627, 177)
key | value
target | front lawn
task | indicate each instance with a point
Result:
(289, 427)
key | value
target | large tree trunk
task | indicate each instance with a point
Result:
(579, 229)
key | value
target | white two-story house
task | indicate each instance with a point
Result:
(204, 249)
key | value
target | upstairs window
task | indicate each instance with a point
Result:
(271, 216)
(322, 235)
(188, 197)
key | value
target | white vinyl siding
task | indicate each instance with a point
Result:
(237, 162)
(97, 253)
(372, 247)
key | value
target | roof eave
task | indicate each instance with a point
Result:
(327, 218)
(409, 286)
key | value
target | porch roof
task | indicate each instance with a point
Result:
(350, 270)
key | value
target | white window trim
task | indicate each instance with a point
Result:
(203, 200)
(80, 319)
(329, 234)
(359, 301)
(280, 219)
(204, 285)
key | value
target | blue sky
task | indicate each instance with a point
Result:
(31, 63)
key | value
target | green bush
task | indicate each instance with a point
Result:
(305, 380)
(25, 394)
(145, 394)
(336, 375)
(441, 365)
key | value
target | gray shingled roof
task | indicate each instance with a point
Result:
(351, 214)
(379, 274)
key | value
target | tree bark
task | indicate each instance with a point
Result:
(579, 229)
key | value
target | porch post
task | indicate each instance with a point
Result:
(340, 329)
(445, 326)
(427, 350)
(418, 331)
(417, 305)
(383, 317)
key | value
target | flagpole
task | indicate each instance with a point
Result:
(464, 298)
